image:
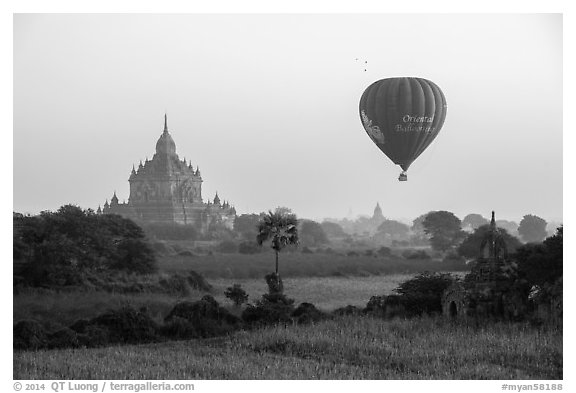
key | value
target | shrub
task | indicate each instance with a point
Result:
(197, 281)
(307, 313)
(29, 334)
(63, 338)
(271, 309)
(175, 285)
(127, 325)
(205, 316)
(93, 336)
(236, 294)
(386, 306)
(274, 283)
(423, 293)
(179, 328)
(347, 310)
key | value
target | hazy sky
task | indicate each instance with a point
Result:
(267, 105)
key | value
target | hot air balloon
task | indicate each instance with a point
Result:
(403, 116)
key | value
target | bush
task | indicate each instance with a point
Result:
(423, 293)
(93, 336)
(127, 325)
(205, 317)
(271, 309)
(274, 283)
(347, 310)
(197, 281)
(179, 328)
(63, 338)
(236, 294)
(29, 334)
(175, 285)
(307, 313)
(386, 306)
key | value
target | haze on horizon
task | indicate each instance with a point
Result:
(267, 106)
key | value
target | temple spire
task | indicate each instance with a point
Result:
(165, 122)
(493, 222)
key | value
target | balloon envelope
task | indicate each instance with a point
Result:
(403, 116)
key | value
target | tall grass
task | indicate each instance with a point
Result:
(343, 348)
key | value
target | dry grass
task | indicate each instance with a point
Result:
(326, 293)
(344, 348)
(296, 264)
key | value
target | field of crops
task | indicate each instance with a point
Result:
(343, 348)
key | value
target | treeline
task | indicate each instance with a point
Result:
(58, 248)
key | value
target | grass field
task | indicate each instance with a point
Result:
(326, 293)
(344, 348)
(297, 264)
(62, 308)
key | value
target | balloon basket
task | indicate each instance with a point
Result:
(403, 177)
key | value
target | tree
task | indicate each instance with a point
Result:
(332, 229)
(474, 221)
(280, 227)
(246, 225)
(393, 228)
(418, 224)
(444, 229)
(542, 264)
(471, 246)
(510, 226)
(311, 233)
(532, 228)
(236, 294)
(55, 248)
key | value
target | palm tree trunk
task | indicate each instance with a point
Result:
(276, 262)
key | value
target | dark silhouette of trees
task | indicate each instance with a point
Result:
(57, 247)
(444, 229)
(280, 227)
(471, 246)
(541, 263)
(532, 228)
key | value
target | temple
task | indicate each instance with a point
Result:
(167, 190)
(488, 290)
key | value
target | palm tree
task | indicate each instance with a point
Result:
(279, 227)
